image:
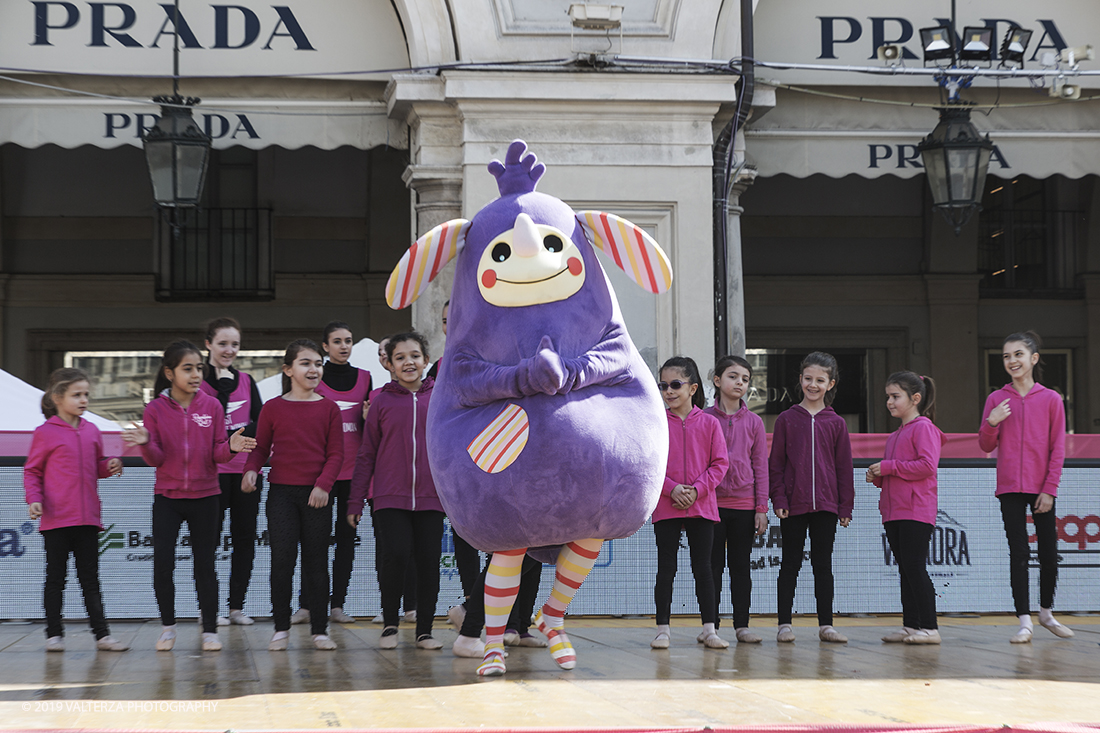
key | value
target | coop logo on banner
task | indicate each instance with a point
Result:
(948, 550)
(1078, 541)
(12, 542)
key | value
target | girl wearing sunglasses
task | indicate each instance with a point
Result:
(697, 461)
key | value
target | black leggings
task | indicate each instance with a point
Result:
(822, 530)
(292, 521)
(83, 543)
(202, 517)
(908, 540)
(733, 536)
(700, 535)
(519, 619)
(406, 536)
(468, 562)
(408, 595)
(1014, 508)
(243, 509)
(344, 556)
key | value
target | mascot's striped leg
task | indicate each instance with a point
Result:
(574, 563)
(501, 587)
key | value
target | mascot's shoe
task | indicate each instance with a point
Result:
(469, 647)
(560, 648)
(493, 666)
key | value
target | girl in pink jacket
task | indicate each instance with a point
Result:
(907, 477)
(697, 461)
(1026, 422)
(183, 436)
(64, 463)
(743, 493)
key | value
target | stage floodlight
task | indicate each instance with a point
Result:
(937, 43)
(977, 44)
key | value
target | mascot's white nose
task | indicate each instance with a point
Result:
(526, 240)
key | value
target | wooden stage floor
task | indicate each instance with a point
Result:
(976, 677)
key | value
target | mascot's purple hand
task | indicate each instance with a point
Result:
(479, 382)
(519, 173)
(546, 373)
(606, 364)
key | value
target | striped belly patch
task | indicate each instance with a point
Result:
(500, 444)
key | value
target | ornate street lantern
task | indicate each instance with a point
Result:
(956, 159)
(177, 152)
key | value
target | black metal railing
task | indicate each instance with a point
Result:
(216, 254)
(1030, 253)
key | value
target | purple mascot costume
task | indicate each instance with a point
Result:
(546, 433)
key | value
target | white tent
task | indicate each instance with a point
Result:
(21, 407)
(364, 355)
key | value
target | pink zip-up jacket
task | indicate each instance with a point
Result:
(394, 453)
(745, 485)
(185, 445)
(61, 471)
(697, 456)
(810, 467)
(908, 479)
(1031, 442)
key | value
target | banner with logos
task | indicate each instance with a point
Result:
(217, 39)
(967, 558)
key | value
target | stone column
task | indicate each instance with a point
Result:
(435, 177)
(735, 272)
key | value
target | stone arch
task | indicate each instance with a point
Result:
(428, 31)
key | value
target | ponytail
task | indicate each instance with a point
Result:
(173, 355)
(1033, 342)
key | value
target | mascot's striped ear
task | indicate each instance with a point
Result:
(634, 251)
(425, 258)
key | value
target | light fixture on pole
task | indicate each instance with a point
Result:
(956, 161)
(176, 149)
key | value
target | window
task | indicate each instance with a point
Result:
(122, 381)
(223, 250)
(774, 385)
(1028, 241)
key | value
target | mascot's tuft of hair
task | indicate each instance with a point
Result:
(545, 428)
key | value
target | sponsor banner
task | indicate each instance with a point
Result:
(967, 558)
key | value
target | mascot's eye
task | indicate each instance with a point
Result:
(553, 243)
(501, 252)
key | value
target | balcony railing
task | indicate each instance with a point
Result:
(218, 254)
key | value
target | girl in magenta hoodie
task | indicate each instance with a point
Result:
(408, 516)
(810, 471)
(697, 461)
(743, 493)
(1026, 422)
(64, 463)
(183, 436)
(907, 477)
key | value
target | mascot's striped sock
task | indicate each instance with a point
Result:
(501, 587)
(574, 563)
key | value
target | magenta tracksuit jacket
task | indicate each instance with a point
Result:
(62, 468)
(810, 468)
(908, 479)
(745, 485)
(1031, 441)
(394, 453)
(185, 445)
(697, 456)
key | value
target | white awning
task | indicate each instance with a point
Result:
(251, 123)
(807, 135)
